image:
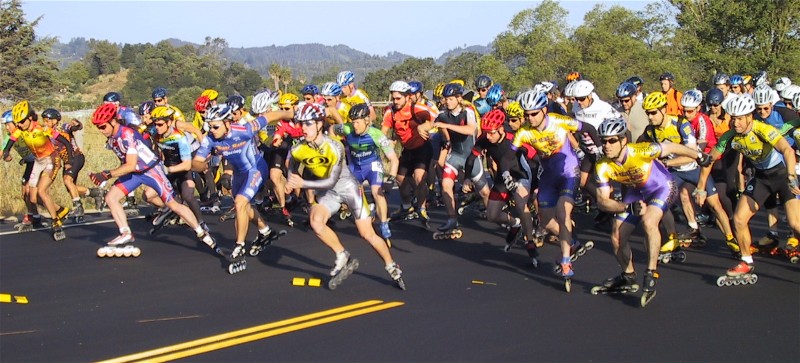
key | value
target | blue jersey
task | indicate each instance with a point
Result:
(175, 148)
(364, 148)
(237, 146)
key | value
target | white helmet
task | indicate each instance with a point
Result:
(582, 88)
(532, 100)
(308, 111)
(790, 91)
(796, 102)
(740, 105)
(263, 101)
(220, 112)
(692, 98)
(545, 87)
(612, 127)
(763, 95)
(400, 86)
(781, 84)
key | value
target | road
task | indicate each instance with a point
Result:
(467, 300)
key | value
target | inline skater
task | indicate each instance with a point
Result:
(352, 94)
(630, 102)
(31, 219)
(482, 85)
(140, 166)
(722, 82)
(648, 191)
(323, 161)
(38, 140)
(775, 172)
(737, 84)
(672, 95)
(331, 93)
(365, 144)
(310, 93)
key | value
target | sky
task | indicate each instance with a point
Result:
(417, 28)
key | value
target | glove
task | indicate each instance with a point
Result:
(511, 185)
(99, 178)
(388, 184)
(704, 159)
(793, 183)
(580, 154)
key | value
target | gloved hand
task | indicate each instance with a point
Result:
(99, 178)
(704, 159)
(511, 184)
(388, 184)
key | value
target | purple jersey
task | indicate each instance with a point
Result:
(129, 142)
(237, 146)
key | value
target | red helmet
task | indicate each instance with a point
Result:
(104, 114)
(493, 120)
(201, 103)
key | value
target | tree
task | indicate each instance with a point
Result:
(26, 71)
(103, 57)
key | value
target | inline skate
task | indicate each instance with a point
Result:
(264, 240)
(693, 238)
(343, 268)
(449, 230)
(229, 214)
(162, 219)
(130, 206)
(564, 269)
(403, 215)
(671, 251)
(577, 249)
(513, 234)
(58, 230)
(122, 246)
(624, 283)
(236, 262)
(77, 214)
(396, 274)
(649, 287)
(741, 274)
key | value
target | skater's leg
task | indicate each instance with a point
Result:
(650, 221)
(620, 235)
(564, 218)
(115, 206)
(793, 215)
(243, 212)
(745, 210)
(367, 232)
(318, 219)
(187, 194)
(381, 205)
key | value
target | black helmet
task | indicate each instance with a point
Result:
(52, 113)
(159, 92)
(112, 97)
(636, 80)
(359, 111)
(452, 89)
(667, 76)
(483, 81)
(235, 102)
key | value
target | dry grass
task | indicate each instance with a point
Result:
(105, 83)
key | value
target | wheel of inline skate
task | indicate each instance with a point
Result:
(680, 256)
(596, 290)
(567, 285)
(459, 233)
(737, 282)
(794, 259)
(588, 245)
(136, 252)
(101, 252)
(557, 269)
(722, 281)
(401, 284)
(460, 211)
(437, 236)
(118, 252)
(253, 251)
(126, 252)
(753, 279)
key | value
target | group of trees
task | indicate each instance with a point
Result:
(694, 39)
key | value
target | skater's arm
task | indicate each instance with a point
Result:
(7, 150)
(199, 164)
(60, 138)
(606, 203)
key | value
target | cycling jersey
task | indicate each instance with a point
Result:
(321, 165)
(237, 146)
(598, 111)
(129, 142)
(404, 123)
(343, 108)
(757, 145)
(674, 130)
(37, 138)
(637, 169)
(460, 144)
(365, 148)
(358, 96)
(704, 131)
(551, 139)
(777, 118)
(175, 148)
(674, 106)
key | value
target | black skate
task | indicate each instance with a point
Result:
(579, 249)
(77, 213)
(345, 272)
(513, 236)
(673, 256)
(620, 284)
(533, 253)
(58, 231)
(422, 213)
(99, 196)
(213, 209)
(229, 214)
(692, 238)
(403, 215)
(450, 230)
(236, 261)
(288, 216)
(649, 287)
(264, 240)
(161, 220)
(130, 207)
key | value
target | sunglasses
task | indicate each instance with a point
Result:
(215, 127)
(611, 141)
(513, 119)
(532, 114)
(766, 108)
(482, 89)
(156, 100)
(160, 124)
(653, 112)
(286, 108)
(689, 111)
(308, 123)
(624, 100)
(713, 104)
(22, 122)
(103, 126)
(581, 99)
(397, 98)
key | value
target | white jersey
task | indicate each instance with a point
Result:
(598, 111)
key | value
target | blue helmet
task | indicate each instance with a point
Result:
(416, 86)
(482, 106)
(7, 117)
(626, 89)
(159, 92)
(129, 117)
(345, 77)
(309, 89)
(495, 94)
(452, 89)
(112, 97)
(146, 107)
(331, 89)
(737, 80)
(715, 97)
(235, 102)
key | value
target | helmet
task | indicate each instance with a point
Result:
(288, 99)
(531, 100)
(763, 95)
(345, 77)
(438, 90)
(104, 114)
(146, 107)
(236, 102)
(331, 89)
(7, 117)
(636, 80)
(400, 86)
(626, 89)
(201, 104)
(211, 94)
(612, 127)
(574, 76)
(692, 98)
(21, 111)
(112, 97)
(781, 84)
(159, 92)
(740, 105)
(760, 78)
(416, 86)
(654, 101)
(667, 76)
(737, 79)
(308, 111)
(495, 94)
(569, 88)
(220, 112)
(358, 111)
(746, 79)
(459, 81)
(263, 101)
(162, 112)
(309, 89)
(545, 86)
(582, 88)
(482, 106)
(790, 91)
(796, 101)
(52, 113)
(128, 117)
(514, 110)
(452, 89)
(483, 81)
(715, 97)
(493, 120)
(721, 78)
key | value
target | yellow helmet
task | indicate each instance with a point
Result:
(459, 81)
(514, 110)
(21, 111)
(438, 90)
(654, 101)
(162, 112)
(211, 94)
(288, 99)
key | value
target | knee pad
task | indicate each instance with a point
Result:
(225, 180)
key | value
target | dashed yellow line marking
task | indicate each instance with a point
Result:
(168, 319)
(7, 298)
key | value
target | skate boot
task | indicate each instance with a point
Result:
(704, 220)
(403, 214)
(26, 225)
(741, 274)
(621, 284)
(58, 230)
(670, 251)
(77, 212)
(513, 234)
(288, 216)
(99, 196)
(264, 240)
(765, 244)
(397, 275)
(578, 249)
(130, 207)
(161, 220)
(533, 252)
(564, 269)
(692, 238)
(423, 218)
(448, 230)
(733, 246)
(649, 287)
(210, 209)
(791, 250)
(236, 261)
(39, 223)
(386, 233)
(342, 269)
(206, 238)
(122, 246)
(229, 214)
(466, 202)
(61, 213)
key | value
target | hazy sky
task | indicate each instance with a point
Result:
(417, 28)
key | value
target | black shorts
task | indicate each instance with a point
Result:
(767, 183)
(78, 160)
(277, 157)
(413, 159)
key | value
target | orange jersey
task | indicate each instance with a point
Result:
(37, 138)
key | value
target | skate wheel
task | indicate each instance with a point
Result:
(588, 245)
(153, 231)
(596, 290)
(437, 236)
(332, 285)
(737, 282)
(534, 262)
(753, 279)
(136, 252)
(253, 251)
(101, 252)
(567, 285)
(459, 233)
(557, 269)
(342, 216)
(721, 281)
(401, 284)
(794, 259)
(118, 252)
(507, 247)
(573, 257)
(127, 252)
(460, 211)
(647, 297)
(680, 256)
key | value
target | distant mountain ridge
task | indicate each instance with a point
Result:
(304, 59)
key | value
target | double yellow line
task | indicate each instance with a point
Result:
(247, 335)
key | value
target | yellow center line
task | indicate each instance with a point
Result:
(331, 314)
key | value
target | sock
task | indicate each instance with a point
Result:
(264, 230)
(693, 224)
(728, 237)
(748, 259)
(125, 230)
